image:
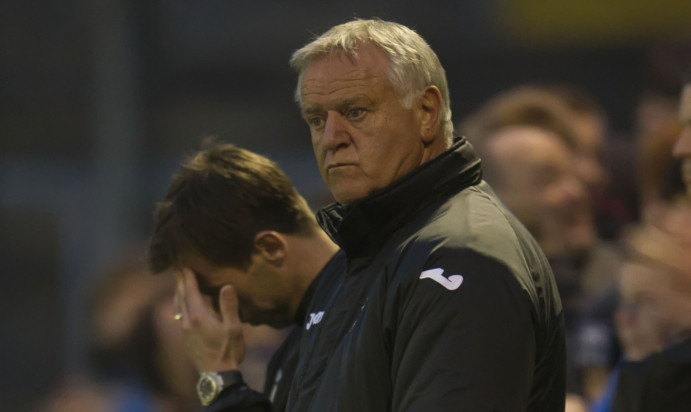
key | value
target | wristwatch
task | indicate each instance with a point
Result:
(211, 384)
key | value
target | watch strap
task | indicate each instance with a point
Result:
(230, 378)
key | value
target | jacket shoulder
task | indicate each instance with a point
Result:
(474, 222)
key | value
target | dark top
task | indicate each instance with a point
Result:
(661, 382)
(448, 303)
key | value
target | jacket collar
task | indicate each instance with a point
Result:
(362, 226)
(332, 267)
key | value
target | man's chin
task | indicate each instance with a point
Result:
(348, 191)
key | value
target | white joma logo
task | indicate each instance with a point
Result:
(451, 283)
(314, 319)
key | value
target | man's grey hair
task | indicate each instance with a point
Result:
(413, 63)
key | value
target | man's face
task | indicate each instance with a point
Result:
(363, 138)
(538, 183)
(261, 295)
(682, 148)
(642, 323)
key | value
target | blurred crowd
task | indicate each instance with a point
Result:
(622, 268)
(136, 354)
(618, 244)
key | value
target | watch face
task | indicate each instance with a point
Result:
(207, 389)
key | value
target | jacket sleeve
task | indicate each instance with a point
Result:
(281, 370)
(462, 337)
(279, 374)
(240, 398)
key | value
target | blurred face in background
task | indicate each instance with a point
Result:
(682, 148)
(642, 324)
(537, 181)
(660, 273)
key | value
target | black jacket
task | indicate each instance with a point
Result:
(661, 382)
(448, 304)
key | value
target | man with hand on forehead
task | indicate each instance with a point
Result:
(244, 247)
(449, 303)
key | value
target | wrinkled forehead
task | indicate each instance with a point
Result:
(363, 55)
(350, 51)
(685, 105)
(338, 62)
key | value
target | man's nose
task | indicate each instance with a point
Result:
(335, 131)
(574, 190)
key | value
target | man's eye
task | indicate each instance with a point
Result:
(355, 113)
(315, 121)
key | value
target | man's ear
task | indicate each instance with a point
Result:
(429, 112)
(272, 246)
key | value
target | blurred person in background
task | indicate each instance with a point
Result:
(244, 247)
(589, 122)
(660, 173)
(137, 356)
(662, 141)
(655, 284)
(654, 317)
(538, 161)
(599, 157)
(563, 227)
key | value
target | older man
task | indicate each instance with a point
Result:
(448, 303)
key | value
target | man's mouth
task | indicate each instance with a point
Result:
(339, 166)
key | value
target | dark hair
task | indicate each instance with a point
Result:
(216, 205)
(577, 100)
(521, 106)
(687, 78)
